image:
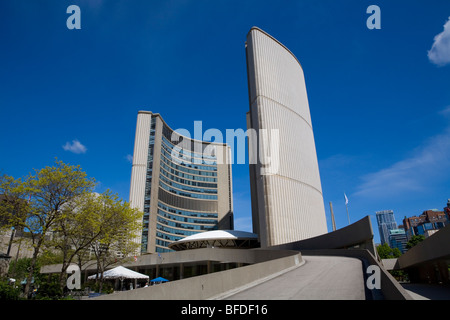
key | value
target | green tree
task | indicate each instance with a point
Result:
(396, 252)
(8, 291)
(94, 221)
(18, 269)
(414, 241)
(66, 221)
(386, 252)
(119, 224)
(45, 194)
(13, 202)
(77, 228)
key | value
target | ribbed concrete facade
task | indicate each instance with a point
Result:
(181, 185)
(287, 201)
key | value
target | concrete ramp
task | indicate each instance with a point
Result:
(320, 278)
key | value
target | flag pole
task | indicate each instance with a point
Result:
(332, 217)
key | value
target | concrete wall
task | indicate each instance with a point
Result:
(390, 264)
(357, 234)
(187, 257)
(210, 285)
(428, 261)
(21, 247)
(435, 247)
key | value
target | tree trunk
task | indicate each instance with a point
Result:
(31, 271)
(62, 274)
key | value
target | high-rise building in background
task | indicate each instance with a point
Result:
(183, 186)
(397, 239)
(286, 191)
(386, 222)
(426, 224)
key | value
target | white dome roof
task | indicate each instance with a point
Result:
(220, 238)
(220, 234)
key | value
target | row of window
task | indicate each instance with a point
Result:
(187, 203)
(166, 158)
(171, 238)
(185, 194)
(188, 182)
(185, 187)
(168, 155)
(177, 156)
(185, 175)
(186, 212)
(173, 234)
(184, 226)
(185, 219)
(190, 153)
(161, 246)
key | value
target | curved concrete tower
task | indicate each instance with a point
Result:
(287, 201)
(182, 185)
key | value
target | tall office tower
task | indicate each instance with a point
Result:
(386, 222)
(286, 191)
(182, 185)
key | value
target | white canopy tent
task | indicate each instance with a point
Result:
(120, 273)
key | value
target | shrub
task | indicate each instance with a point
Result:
(8, 291)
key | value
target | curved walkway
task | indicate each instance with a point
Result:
(320, 278)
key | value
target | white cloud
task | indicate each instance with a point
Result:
(445, 112)
(439, 53)
(75, 147)
(418, 172)
(129, 158)
(243, 224)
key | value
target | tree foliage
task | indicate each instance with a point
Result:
(56, 206)
(414, 241)
(386, 252)
(102, 225)
(119, 224)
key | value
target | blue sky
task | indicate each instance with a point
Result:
(379, 99)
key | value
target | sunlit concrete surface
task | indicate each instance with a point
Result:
(320, 278)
